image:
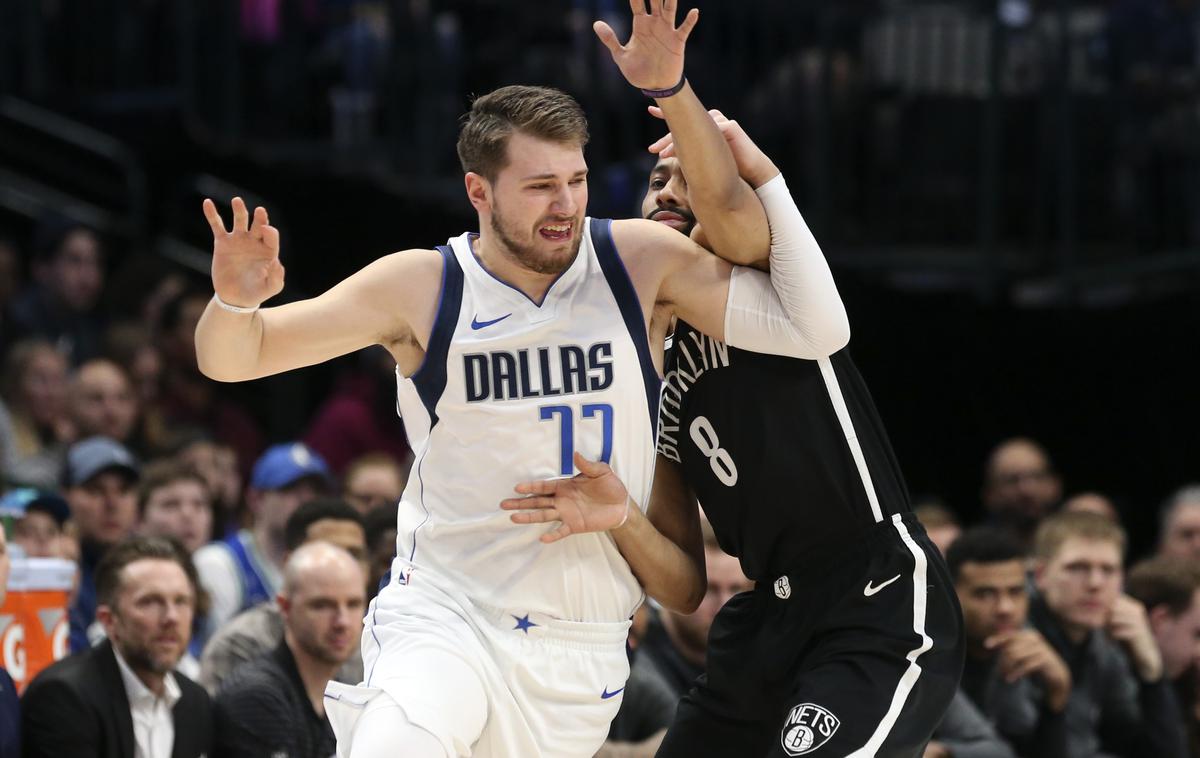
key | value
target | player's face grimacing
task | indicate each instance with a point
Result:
(538, 203)
(666, 198)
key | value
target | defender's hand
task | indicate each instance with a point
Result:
(595, 500)
(245, 268)
(653, 57)
(754, 166)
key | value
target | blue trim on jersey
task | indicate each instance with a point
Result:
(430, 379)
(631, 311)
(254, 583)
(519, 291)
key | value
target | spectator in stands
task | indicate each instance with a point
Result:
(275, 704)
(192, 400)
(39, 527)
(1179, 531)
(1169, 589)
(260, 629)
(1020, 486)
(1092, 502)
(1012, 675)
(1120, 701)
(372, 481)
(59, 305)
(174, 501)
(102, 402)
(101, 488)
(940, 523)
(217, 463)
(359, 417)
(675, 644)
(381, 545)
(123, 698)
(10, 709)
(34, 426)
(244, 570)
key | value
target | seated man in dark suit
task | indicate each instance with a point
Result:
(275, 705)
(122, 699)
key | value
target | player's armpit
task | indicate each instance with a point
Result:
(390, 301)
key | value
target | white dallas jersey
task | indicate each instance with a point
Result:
(508, 391)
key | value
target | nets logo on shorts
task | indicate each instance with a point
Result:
(808, 727)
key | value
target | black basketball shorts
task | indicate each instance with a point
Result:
(857, 655)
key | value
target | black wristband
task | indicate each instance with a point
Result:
(660, 93)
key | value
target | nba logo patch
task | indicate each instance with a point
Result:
(808, 727)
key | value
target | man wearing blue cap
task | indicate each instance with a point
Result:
(101, 478)
(246, 569)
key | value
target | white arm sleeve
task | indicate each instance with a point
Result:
(796, 310)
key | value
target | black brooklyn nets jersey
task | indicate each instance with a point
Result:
(785, 455)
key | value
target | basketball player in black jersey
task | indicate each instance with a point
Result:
(851, 643)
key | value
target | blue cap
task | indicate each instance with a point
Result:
(96, 455)
(287, 463)
(17, 503)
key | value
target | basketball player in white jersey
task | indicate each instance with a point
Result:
(518, 347)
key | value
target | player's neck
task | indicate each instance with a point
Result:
(502, 264)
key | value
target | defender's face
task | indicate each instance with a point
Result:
(538, 202)
(994, 598)
(1080, 583)
(666, 199)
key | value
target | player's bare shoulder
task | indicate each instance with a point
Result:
(403, 289)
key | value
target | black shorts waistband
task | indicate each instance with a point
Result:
(852, 548)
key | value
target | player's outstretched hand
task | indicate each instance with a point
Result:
(652, 59)
(245, 268)
(754, 166)
(594, 500)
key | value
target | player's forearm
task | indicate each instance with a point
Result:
(228, 344)
(802, 290)
(725, 205)
(663, 569)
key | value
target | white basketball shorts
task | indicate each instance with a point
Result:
(487, 682)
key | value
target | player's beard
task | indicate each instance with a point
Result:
(548, 262)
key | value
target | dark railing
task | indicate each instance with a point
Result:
(990, 144)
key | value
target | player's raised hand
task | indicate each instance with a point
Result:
(594, 500)
(754, 166)
(245, 267)
(652, 59)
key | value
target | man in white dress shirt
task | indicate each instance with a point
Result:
(122, 697)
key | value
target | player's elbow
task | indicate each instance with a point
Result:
(682, 597)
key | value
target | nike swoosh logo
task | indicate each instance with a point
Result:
(476, 324)
(606, 694)
(869, 590)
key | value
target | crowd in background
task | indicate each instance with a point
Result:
(118, 455)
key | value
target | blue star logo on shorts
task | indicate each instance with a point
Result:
(523, 623)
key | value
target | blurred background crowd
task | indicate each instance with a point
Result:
(1007, 190)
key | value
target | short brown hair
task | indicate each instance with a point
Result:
(1057, 529)
(160, 473)
(132, 549)
(542, 112)
(1164, 581)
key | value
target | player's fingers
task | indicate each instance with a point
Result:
(689, 23)
(638, 7)
(668, 151)
(213, 217)
(590, 468)
(557, 534)
(717, 115)
(241, 216)
(656, 112)
(543, 487)
(661, 142)
(258, 221)
(607, 36)
(526, 503)
(270, 237)
(534, 517)
(668, 10)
